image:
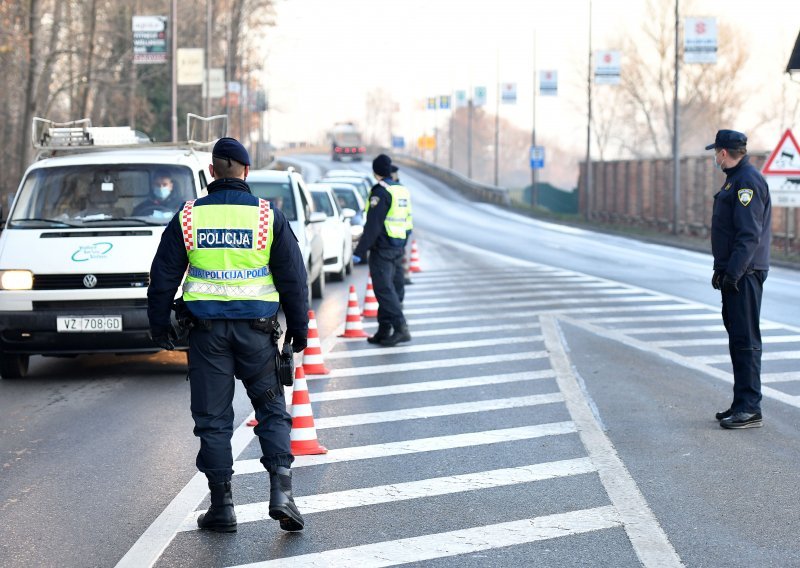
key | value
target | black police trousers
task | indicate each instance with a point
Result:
(741, 312)
(386, 269)
(228, 348)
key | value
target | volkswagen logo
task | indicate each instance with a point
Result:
(90, 280)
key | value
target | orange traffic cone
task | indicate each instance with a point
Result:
(370, 301)
(415, 258)
(406, 270)
(312, 355)
(304, 435)
(352, 323)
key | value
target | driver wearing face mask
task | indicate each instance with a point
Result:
(158, 202)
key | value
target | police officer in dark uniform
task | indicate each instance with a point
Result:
(741, 231)
(385, 235)
(243, 263)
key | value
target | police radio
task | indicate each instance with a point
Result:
(284, 363)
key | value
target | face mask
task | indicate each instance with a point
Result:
(717, 165)
(162, 192)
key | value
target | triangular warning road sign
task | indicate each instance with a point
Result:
(785, 159)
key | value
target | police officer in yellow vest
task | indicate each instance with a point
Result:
(242, 262)
(385, 234)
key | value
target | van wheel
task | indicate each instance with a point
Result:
(14, 366)
(318, 286)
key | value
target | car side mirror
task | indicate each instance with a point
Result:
(348, 213)
(317, 217)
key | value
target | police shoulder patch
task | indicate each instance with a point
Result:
(745, 196)
(374, 200)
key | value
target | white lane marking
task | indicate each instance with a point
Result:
(365, 496)
(357, 344)
(780, 377)
(406, 447)
(664, 318)
(506, 305)
(767, 339)
(449, 544)
(427, 386)
(425, 365)
(378, 351)
(520, 294)
(688, 362)
(149, 547)
(464, 290)
(437, 410)
(646, 535)
(766, 356)
(685, 329)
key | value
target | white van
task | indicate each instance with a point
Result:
(75, 252)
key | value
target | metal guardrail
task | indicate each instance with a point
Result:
(459, 182)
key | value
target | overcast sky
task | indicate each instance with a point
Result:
(324, 56)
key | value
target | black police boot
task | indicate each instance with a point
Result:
(281, 504)
(384, 331)
(400, 335)
(220, 517)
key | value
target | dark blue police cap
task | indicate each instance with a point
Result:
(729, 139)
(382, 165)
(231, 149)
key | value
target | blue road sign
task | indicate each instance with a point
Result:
(398, 142)
(537, 157)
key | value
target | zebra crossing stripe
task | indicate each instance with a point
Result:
(362, 497)
(664, 318)
(568, 301)
(718, 328)
(426, 386)
(767, 356)
(525, 293)
(434, 411)
(425, 365)
(351, 346)
(448, 544)
(372, 351)
(767, 339)
(780, 377)
(406, 447)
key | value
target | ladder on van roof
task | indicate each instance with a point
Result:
(201, 132)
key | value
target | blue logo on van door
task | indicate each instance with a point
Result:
(224, 238)
(96, 251)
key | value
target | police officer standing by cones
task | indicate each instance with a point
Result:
(740, 241)
(385, 235)
(243, 264)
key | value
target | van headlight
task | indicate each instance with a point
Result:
(16, 279)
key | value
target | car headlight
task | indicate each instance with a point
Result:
(16, 279)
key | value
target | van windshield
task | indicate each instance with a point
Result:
(101, 195)
(279, 195)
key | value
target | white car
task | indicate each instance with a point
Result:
(362, 184)
(348, 196)
(287, 191)
(351, 173)
(336, 231)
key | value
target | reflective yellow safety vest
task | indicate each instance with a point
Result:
(399, 214)
(228, 248)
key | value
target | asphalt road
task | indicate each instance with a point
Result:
(554, 408)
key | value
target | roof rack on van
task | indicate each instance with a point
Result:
(202, 132)
(50, 135)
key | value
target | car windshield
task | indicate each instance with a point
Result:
(101, 195)
(346, 198)
(279, 195)
(322, 202)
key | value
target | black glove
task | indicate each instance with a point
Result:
(716, 280)
(729, 285)
(298, 339)
(164, 338)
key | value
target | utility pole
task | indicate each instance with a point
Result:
(676, 159)
(589, 126)
(469, 138)
(534, 195)
(207, 106)
(173, 47)
(497, 122)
